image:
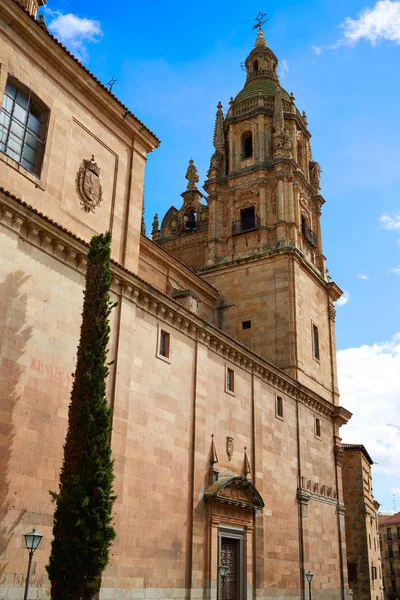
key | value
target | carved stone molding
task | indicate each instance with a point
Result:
(89, 186)
(339, 454)
(332, 312)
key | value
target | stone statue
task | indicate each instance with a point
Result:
(315, 173)
(192, 176)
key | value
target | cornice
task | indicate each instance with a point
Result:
(53, 239)
(270, 251)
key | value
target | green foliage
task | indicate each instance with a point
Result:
(82, 527)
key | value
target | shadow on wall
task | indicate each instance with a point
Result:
(13, 338)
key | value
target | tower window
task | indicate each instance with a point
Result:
(315, 341)
(300, 155)
(247, 218)
(255, 65)
(23, 122)
(246, 324)
(247, 145)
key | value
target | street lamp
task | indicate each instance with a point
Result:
(32, 541)
(223, 572)
(309, 576)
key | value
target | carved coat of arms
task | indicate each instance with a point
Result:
(89, 185)
(229, 447)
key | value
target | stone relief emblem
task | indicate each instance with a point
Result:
(229, 447)
(89, 186)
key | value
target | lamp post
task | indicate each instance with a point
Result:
(309, 576)
(223, 572)
(32, 541)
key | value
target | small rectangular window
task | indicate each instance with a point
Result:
(279, 407)
(315, 340)
(230, 380)
(317, 427)
(164, 344)
(374, 572)
(246, 324)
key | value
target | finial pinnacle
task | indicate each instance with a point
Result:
(260, 41)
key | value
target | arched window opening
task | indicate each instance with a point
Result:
(247, 145)
(300, 155)
(23, 124)
(255, 65)
(247, 218)
(190, 220)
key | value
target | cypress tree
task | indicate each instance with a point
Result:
(82, 527)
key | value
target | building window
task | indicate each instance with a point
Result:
(255, 65)
(246, 324)
(247, 145)
(389, 533)
(374, 574)
(279, 407)
(230, 380)
(394, 587)
(398, 533)
(247, 218)
(164, 339)
(370, 543)
(315, 341)
(390, 552)
(317, 427)
(352, 571)
(23, 124)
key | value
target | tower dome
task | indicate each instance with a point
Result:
(261, 67)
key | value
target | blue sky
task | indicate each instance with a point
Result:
(174, 61)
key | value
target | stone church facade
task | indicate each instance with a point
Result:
(226, 411)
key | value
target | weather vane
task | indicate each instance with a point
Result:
(111, 83)
(260, 20)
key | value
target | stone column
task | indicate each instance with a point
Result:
(280, 201)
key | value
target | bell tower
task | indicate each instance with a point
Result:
(263, 250)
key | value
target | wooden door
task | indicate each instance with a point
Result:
(230, 558)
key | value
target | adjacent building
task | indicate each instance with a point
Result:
(226, 411)
(362, 528)
(389, 531)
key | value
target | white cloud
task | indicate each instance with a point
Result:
(317, 50)
(382, 22)
(370, 388)
(365, 277)
(391, 223)
(343, 299)
(395, 271)
(283, 68)
(75, 32)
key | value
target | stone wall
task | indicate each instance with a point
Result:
(164, 415)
